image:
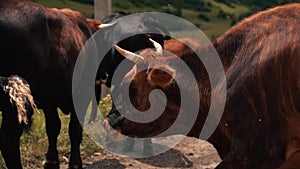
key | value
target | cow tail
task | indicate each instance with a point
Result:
(20, 95)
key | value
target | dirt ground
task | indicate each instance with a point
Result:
(190, 153)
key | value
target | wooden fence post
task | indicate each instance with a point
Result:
(102, 8)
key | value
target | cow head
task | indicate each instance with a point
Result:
(151, 71)
(133, 43)
(113, 58)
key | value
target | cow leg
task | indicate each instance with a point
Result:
(95, 104)
(128, 144)
(245, 154)
(10, 134)
(147, 147)
(236, 158)
(293, 162)
(239, 156)
(292, 155)
(75, 133)
(53, 126)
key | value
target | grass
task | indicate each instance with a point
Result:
(34, 143)
(85, 9)
(237, 10)
(212, 28)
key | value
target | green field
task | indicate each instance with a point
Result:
(87, 10)
(34, 142)
(213, 28)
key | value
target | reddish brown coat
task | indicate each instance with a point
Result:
(260, 125)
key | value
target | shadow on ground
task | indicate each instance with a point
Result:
(190, 153)
(172, 158)
(106, 164)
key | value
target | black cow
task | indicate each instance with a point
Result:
(41, 45)
(113, 58)
(133, 43)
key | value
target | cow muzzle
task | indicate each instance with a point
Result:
(103, 79)
(113, 125)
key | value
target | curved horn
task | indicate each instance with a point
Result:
(105, 25)
(129, 55)
(157, 46)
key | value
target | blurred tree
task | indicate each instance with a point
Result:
(178, 5)
(85, 1)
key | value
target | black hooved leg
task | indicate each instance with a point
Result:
(237, 158)
(10, 134)
(147, 147)
(53, 126)
(75, 133)
(93, 115)
(128, 144)
(243, 155)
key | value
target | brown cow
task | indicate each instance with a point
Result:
(180, 47)
(174, 46)
(260, 127)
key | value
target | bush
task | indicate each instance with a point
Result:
(233, 21)
(91, 2)
(203, 17)
(226, 2)
(121, 5)
(167, 10)
(222, 14)
(202, 9)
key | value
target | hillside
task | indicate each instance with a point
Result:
(213, 17)
(210, 16)
(85, 9)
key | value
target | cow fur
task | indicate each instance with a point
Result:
(41, 45)
(259, 127)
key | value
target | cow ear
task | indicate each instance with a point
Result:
(93, 23)
(162, 76)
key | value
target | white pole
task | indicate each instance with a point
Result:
(102, 8)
